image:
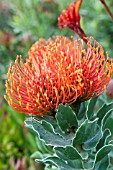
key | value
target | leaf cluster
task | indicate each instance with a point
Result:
(78, 140)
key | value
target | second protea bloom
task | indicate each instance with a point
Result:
(70, 17)
(60, 70)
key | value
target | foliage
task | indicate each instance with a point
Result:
(82, 140)
(15, 140)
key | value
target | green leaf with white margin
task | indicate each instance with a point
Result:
(37, 155)
(108, 122)
(105, 150)
(87, 134)
(46, 132)
(88, 164)
(105, 119)
(54, 160)
(70, 155)
(67, 153)
(111, 153)
(66, 117)
(103, 140)
(82, 111)
(68, 158)
(49, 167)
(92, 142)
(102, 158)
(90, 107)
(102, 164)
(111, 142)
(53, 122)
(42, 147)
(103, 111)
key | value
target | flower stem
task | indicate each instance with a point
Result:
(107, 8)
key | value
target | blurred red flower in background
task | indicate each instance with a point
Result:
(60, 70)
(6, 38)
(70, 17)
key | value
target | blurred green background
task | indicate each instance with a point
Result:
(21, 24)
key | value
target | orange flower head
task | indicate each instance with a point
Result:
(70, 17)
(60, 70)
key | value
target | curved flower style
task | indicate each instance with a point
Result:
(70, 17)
(60, 70)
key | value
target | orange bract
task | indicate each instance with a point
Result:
(59, 70)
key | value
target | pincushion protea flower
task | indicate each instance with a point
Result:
(70, 17)
(60, 70)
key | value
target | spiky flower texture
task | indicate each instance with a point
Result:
(60, 70)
